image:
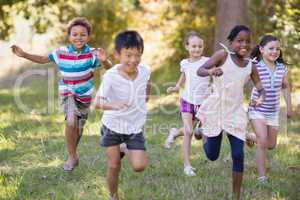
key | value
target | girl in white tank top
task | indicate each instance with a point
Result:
(222, 111)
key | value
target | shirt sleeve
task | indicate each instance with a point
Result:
(95, 61)
(105, 87)
(182, 68)
(53, 56)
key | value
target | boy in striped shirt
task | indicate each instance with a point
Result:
(76, 63)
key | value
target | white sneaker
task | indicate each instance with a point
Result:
(262, 180)
(189, 171)
(170, 138)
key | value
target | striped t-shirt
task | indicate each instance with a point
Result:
(272, 83)
(76, 71)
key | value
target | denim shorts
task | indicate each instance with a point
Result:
(134, 141)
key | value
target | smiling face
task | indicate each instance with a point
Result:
(78, 37)
(129, 57)
(241, 43)
(270, 51)
(195, 47)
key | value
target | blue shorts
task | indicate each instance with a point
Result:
(132, 141)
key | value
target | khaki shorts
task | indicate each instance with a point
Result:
(70, 105)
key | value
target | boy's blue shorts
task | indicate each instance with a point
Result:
(132, 141)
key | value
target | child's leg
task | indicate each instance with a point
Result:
(113, 169)
(179, 132)
(137, 152)
(138, 160)
(173, 134)
(71, 133)
(237, 154)
(272, 136)
(187, 119)
(261, 132)
(212, 146)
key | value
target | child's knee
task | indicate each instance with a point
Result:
(188, 132)
(272, 146)
(263, 143)
(116, 165)
(238, 161)
(139, 167)
(71, 122)
(238, 156)
(212, 156)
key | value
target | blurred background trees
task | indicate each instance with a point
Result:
(163, 23)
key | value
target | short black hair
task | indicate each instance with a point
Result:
(129, 39)
(235, 31)
(80, 21)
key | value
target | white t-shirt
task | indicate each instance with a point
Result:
(116, 88)
(196, 88)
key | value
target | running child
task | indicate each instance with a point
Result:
(223, 110)
(122, 95)
(265, 118)
(195, 91)
(76, 63)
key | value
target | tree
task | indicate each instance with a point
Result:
(229, 14)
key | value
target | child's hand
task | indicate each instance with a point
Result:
(216, 71)
(172, 89)
(256, 102)
(17, 50)
(101, 54)
(121, 106)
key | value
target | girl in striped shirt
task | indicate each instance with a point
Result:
(264, 117)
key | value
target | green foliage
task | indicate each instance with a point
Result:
(107, 18)
(280, 18)
(191, 15)
(41, 14)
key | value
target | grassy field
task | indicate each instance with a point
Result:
(32, 153)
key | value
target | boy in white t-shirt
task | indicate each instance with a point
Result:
(122, 95)
(196, 89)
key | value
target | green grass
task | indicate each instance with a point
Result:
(32, 152)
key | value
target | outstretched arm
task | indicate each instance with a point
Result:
(179, 83)
(34, 58)
(256, 81)
(102, 56)
(103, 104)
(287, 96)
(211, 67)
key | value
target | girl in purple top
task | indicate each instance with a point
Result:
(264, 118)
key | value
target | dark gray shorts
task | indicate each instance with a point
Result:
(132, 141)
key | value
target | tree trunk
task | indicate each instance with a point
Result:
(229, 14)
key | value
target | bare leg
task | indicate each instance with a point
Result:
(187, 119)
(71, 133)
(272, 137)
(237, 179)
(261, 131)
(138, 160)
(113, 170)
